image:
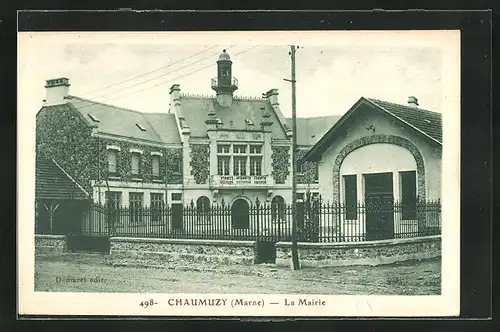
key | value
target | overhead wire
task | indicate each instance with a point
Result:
(158, 76)
(147, 73)
(163, 82)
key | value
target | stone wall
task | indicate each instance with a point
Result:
(54, 244)
(360, 253)
(210, 251)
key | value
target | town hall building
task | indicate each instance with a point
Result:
(226, 149)
(220, 149)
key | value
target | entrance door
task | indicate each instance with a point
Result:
(379, 200)
(240, 218)
(176, 217)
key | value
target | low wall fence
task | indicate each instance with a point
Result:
(50, 244)
(158, 251)
(363, 253)
(187, 250)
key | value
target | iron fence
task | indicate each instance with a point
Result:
(316, 221)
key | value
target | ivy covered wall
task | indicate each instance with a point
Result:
(63, 135)
(280, 163)
(174, 166)
(200, 162)
(309, 169)
(124, 162)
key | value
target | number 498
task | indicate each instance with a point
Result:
(147, 303)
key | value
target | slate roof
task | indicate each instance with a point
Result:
(425, 122)
(165, 126)
(51, 182)
(310, 130)
(196, 109)
(160, 127)
(428, 122)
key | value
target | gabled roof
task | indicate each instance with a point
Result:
(52, 182)
(424, 122)
(113, 120)
(428, 122)
(196, 109)
(310, 130)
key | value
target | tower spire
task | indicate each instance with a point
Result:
(224, 84)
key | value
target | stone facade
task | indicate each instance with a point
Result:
(210, 251)
(360, 253)
(50, 244)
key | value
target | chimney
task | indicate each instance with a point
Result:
(56, 91)
(272, 95)
(175, 93)
(412, 101)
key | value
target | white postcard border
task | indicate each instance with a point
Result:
(446, 304)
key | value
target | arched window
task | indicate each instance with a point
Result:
(203, 209)
(278, 208)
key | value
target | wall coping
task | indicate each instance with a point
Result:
(50, 236)
(226, 243)
(364, 244)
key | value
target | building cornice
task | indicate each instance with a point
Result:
(136, 141)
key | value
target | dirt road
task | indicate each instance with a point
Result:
(97, 273)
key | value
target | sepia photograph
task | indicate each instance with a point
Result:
(235, 172)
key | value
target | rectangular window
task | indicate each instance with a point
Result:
(222, 148)
(156, 199)
(112, 159)
(350, 194)
(135, 206)
(256, 166)
(157, 205)
(239, 149)
(255, 149)
(316, 172)
(300, 168)
(176, 196)
(240, 166)
(223, 165)
(156, 165)
(136, 158)
(113, 202)
(408, 182)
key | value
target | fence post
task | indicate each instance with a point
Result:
(420, 217)
(257, 217)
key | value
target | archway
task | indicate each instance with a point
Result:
(374, 139)
(278, 208)
(240, 214)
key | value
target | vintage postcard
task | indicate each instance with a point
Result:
(305, 173)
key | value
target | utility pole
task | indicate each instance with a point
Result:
(295, 255)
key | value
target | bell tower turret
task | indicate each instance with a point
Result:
(224, 84)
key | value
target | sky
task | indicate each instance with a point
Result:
(330, 77)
